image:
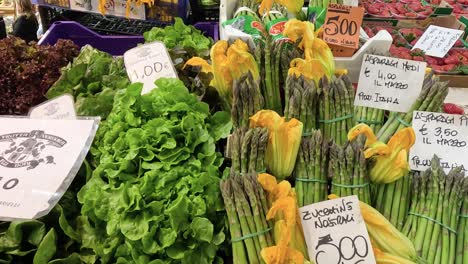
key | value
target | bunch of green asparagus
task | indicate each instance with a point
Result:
(247, 150)
(247, 100)
(269, 74)
(434, 213)
(462, 235)
(246, 208)
(393, 200)
(348, 171)
(430, 99)
(301, 102)
(373, 117)
(310, 170)
(336, 108)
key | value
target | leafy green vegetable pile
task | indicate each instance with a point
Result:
(184, 42)
(93, 79)
(154, 196)
(182, 35)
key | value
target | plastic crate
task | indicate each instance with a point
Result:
(115, 45)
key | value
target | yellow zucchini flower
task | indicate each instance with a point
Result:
(284, 138)
(225, 61)
(389, 161)
(314, 48)
(394, 165)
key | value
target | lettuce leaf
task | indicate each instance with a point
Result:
(154, 195)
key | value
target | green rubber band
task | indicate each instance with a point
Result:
(258, 172)
(242, 238)
(311, 180)
(370, 122)
(306, 134)
(403, 122)
(336, 119)
(350, 186)
(463, 216)
(435, 221)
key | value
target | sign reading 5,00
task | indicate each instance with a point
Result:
(342, 25)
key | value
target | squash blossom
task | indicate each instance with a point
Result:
(224, 66)
(289, 239)
(283, 141)
(314, 48)
(389, 161)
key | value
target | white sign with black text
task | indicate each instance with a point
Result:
(147, 63)
(389, 83)
(38, 160)
(444, 135)
(62, 107)
(437, 41)
(336, 233)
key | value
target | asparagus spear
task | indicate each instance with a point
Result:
(254, 150)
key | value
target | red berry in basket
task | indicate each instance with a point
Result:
(410, 14)
(418, 58)
(453, 109)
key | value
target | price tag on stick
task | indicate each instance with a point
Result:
(389, 83)
(335, 232)
(61, 107)
(147, 63)
(437, 41)
(342, 25)
(38, 160)
(444, 135)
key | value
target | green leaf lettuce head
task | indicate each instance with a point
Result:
(92, 79)
(154, 195)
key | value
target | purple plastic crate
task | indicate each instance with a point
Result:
(114, 45)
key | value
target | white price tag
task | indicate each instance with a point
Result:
(437, 41)
(147, 63)
(38, 160)
(389, 83)
(61, 107)
(351, 2)
(335, 232)
(444, 135)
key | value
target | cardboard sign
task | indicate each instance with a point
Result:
(437, 41)
(38, 161)
(444, 135)
(147, 63)
(389, 83)
(342, 25)
(336, 233)
(61, 107)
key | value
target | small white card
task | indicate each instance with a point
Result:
(62, 107)
(38, 160)
(147, 63)
(437, 41)
(444, 135)
(389, 83)
(335, 232)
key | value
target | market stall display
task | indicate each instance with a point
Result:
(219, 164)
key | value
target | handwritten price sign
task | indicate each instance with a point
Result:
(441, 134)
(335, 232)
(342, 25)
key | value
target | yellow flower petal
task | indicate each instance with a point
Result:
(362, 129)
(403, 139)
(197, 61)
(378, 148)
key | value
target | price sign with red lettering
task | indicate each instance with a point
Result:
(342, 25)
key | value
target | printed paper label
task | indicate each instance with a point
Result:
(61, 107)
(437, 41)
(335, 232)
(389, 83)
(38, 161)
(342, 25)
(147, 63)
(444, 135)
